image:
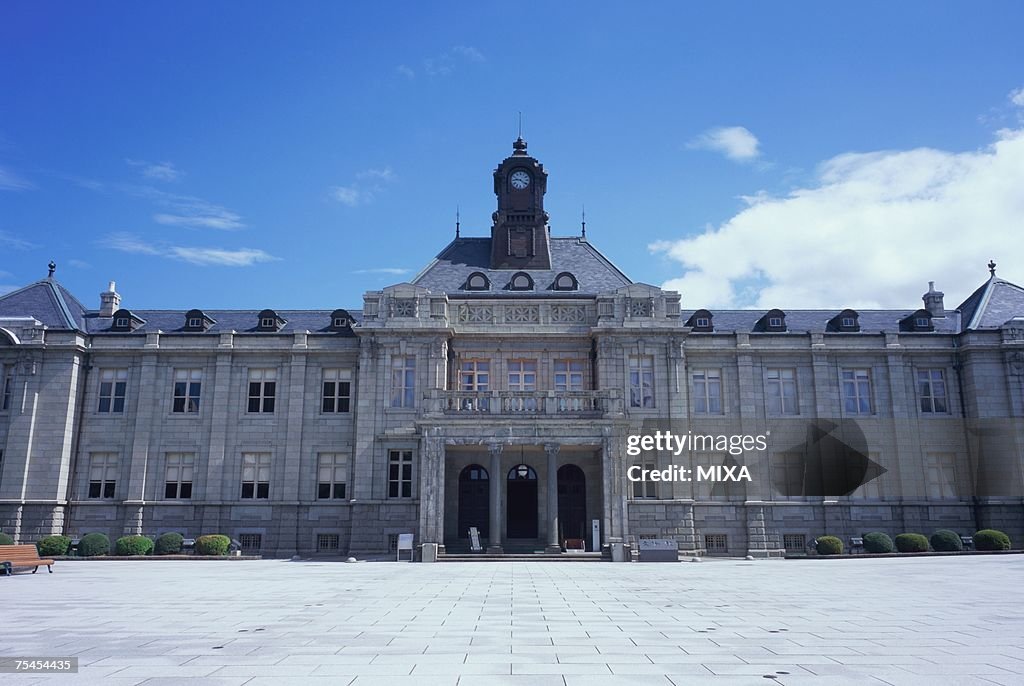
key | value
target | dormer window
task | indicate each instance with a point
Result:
(196, 320)
(269, 321)
(521, 281)
(918, 321)
(340, 320)
(125, 321)
(701, 322)
(478, 281)
(566, 282)
(847, 321)
(773, 321)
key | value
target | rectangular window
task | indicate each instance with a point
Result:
(400, 474)
(780, 391)
(250, 543)
(856, 391)
(931, 389)
(475, 375)
(522, 375)
(188, 385)
(646, 488)
(8, 382)
(102, 475)
(707, 391)
(332, 473)
(256, 476)
(788, 475)
(716, 544)
(178, 483)
(403, 382)
(641, 381)
(940, 476)
(569, 375)
(794, 543)
(262, 390)
(337, 391)
(328, 543)
(113, 385)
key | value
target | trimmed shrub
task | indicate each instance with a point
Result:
(991, 539)
(912, 543)
(94, 544)
(5, 539)
(213, 544)
(169, 544)
(829, 545)
(946, 541)
(53, 546)
(133, 545)
(878, 542)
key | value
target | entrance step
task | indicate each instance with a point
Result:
(522, 557)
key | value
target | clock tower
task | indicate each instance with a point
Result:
(519, 234)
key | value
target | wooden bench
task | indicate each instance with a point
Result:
(15, 556)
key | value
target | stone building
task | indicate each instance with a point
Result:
(497, 389)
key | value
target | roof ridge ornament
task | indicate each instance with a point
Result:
(52, 267)
(992, 267)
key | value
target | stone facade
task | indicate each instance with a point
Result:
(447, 375)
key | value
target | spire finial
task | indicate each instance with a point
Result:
(583, 221)
(520, 125)
(992, 267)
(457, 223)
(53, 267)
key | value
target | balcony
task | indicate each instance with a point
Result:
(532, 404)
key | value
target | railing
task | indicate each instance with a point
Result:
(527, 403)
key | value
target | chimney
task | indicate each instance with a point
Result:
(933, 301)
(110, 301)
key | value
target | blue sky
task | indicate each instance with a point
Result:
(295, 155)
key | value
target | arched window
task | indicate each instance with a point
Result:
(478, 281)
(269, 321)
(566, 282)
(521, 281)
(701, 321)
(340, 320)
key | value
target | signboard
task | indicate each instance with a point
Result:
(404, 543)
(474, 540)
(595, 534)
(658, 550)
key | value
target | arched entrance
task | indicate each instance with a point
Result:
(572, 503)
(474, 501)
(521, 513)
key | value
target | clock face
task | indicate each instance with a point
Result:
(520, 179)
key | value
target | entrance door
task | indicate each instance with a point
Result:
(572, 502)
(521, 515)
(474, 501)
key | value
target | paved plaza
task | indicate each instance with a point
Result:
(880, 621)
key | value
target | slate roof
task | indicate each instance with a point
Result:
(463, 256)
(170, 321)
(47, 301)
(992, 305)
(803, 321)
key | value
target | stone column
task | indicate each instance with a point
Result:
(139, 458)
(553, 545)
(494, 536)
(432, 467)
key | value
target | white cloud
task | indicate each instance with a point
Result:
(157, 171)
(871, 231)
(241, 257)
(349, 195)
(9, 181)
(446, 63)
(13, 242)
(79, 264)
(735, 142)
(187, 210)
(1017, 96)
(367, 185)
(396, 271)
